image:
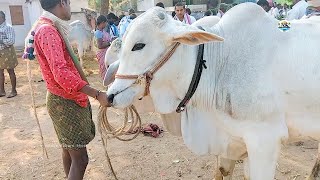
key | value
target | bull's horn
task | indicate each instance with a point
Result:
(161, 15)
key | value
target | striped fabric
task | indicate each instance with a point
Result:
(7, 36)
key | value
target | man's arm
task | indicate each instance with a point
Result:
(100, 96)
(51, 45)
(100, 43)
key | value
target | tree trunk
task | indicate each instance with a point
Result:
(104, 10)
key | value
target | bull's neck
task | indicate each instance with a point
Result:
(184, 62)
(186, 57)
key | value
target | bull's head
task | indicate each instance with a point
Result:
(147, 39)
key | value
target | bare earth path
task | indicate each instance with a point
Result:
(144, 158)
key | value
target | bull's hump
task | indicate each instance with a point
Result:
(244, 12)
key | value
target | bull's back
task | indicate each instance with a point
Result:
(297, 66)
(263, 61)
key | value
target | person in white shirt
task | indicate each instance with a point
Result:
(181, 14)
(275, 12)
(298, 10)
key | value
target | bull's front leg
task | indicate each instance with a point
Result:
(263, 142)
(246, 169)
(315, 173)
(225, 169)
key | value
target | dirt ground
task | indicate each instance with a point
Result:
(144, 158)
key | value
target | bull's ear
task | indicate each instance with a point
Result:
(196, 37)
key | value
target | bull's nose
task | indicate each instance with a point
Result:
(110, 98)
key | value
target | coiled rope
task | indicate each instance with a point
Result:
(109, 131)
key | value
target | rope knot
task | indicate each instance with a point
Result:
(148, 75)
(141, 80)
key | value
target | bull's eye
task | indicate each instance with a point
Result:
(138, 46)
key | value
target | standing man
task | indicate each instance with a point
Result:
(68, 88)
(181, 14)
(125, 21)
(8, 58)
(111, 28)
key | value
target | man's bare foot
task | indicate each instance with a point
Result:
(2, 94)
(12, 94)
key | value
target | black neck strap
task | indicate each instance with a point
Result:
(200, 64)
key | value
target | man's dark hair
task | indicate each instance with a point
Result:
(131, 11)
(188, 10)
(121, 16)
(160, 4)
(214, 12)
(173, 14)
(112, 16)
(50, 4)
(133, 16)
(179, 4)
(3, 15)
(263, 3)
(101, 19)
(208, 13)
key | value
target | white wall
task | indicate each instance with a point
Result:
(34, 10)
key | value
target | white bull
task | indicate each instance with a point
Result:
(261, 87)
(81, 37)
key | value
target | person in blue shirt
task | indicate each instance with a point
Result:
(125, 21)
(111, 28)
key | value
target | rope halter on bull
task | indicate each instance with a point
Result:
(148, 76)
